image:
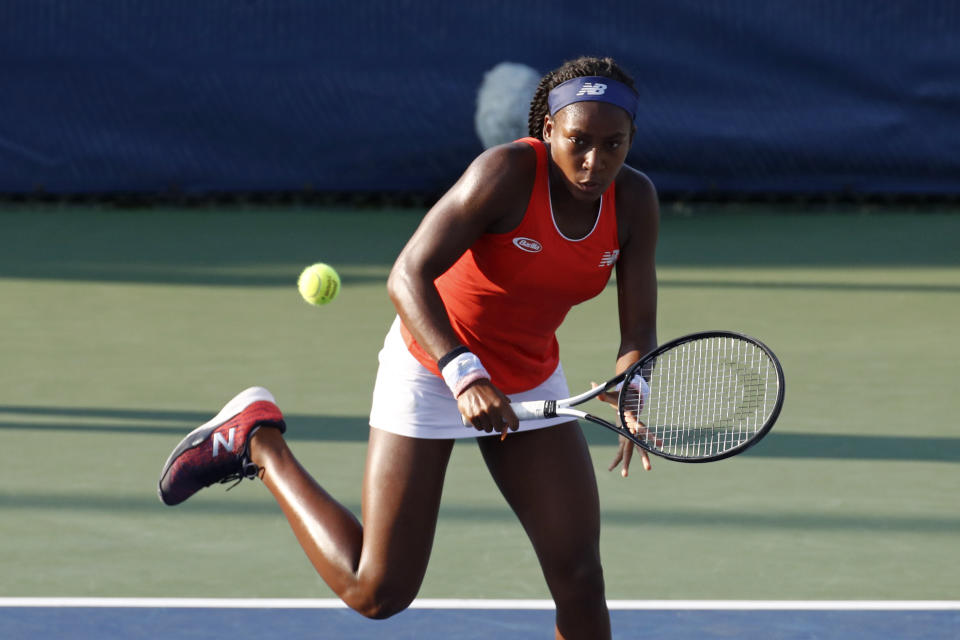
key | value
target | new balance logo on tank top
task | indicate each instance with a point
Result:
(507, 295)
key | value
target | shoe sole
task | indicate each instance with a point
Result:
(199, 435)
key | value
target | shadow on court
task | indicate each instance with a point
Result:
(354, 429)
(261, 246)
(216, 246)
(811, 286)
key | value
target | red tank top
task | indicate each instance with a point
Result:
(507, 295)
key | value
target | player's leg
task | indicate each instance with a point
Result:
(376, 567)
(547, 478)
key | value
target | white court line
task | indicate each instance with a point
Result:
(428, 603)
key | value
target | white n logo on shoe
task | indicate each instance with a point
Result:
(227, 442)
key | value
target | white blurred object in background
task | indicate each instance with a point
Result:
(503, 103)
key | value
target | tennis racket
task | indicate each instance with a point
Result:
(702, 397)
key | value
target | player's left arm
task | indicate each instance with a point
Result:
(638, 221)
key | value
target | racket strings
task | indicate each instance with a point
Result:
(706, 396)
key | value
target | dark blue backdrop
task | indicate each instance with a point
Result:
(264, 95)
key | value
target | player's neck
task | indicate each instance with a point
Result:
(574, 218)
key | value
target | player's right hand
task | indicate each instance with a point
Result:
(486, 408)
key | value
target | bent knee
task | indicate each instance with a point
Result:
(379, 604)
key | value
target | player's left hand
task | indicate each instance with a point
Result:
(625, 449)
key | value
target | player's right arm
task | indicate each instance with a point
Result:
(490, 197)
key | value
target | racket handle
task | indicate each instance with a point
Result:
(534, 409)
(530, 410)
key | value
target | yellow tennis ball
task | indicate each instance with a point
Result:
(319, 284)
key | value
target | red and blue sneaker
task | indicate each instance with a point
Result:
(219, 450)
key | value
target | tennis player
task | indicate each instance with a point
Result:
(531, 228)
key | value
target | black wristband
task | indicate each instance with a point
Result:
(447, 359)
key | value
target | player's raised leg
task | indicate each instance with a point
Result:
(547, 478)
(376, 568)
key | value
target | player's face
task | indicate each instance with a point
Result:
(589, 142)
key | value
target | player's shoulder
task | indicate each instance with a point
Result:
(635, 188)
(511, 161)
(501, 177)
(638, 206)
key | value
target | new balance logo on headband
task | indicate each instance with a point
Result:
(592, 89)
(596, 89)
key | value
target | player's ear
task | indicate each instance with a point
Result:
(547, 128)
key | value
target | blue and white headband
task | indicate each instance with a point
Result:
(593, 89)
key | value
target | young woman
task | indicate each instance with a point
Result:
(529, 230)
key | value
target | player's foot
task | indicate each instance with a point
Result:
(219, 451)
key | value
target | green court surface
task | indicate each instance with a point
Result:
(122, 329)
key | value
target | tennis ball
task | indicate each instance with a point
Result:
(319, 284)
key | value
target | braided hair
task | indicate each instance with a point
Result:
(583, 66)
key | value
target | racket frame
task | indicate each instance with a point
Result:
(537, 409)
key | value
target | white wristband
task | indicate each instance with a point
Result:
(463, 371)
(643, 388)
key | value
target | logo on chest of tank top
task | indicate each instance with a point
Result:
(528, 244)
(609, 258)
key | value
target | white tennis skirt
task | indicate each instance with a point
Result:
(409, 400)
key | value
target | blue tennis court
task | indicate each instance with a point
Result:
(82, 619)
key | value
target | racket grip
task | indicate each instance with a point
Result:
(534, 409)
(530, 410)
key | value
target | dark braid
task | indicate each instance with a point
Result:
(583, 66)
